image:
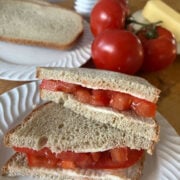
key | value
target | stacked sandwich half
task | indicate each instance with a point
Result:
(98, 125)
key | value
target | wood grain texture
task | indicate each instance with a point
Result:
(7, 85)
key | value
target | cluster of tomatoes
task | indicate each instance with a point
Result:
(118, 48)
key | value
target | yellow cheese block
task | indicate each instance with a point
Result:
(157, 10)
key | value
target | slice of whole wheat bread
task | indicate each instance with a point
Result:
(17, 166)
(39, 23)
(126, 121)
(101, 79)
(53, 126)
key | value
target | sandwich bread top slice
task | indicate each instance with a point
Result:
(59, 129)
(38, 23)
(101, 79)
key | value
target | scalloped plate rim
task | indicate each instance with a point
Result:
(25, 72)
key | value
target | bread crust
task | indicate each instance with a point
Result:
(4, 169)
(6, 139)
(41, 43)
(58, 46)
(18, 162)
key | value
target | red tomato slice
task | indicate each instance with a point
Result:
(24, 150)
(144, 108)
(53, 85)
(80, 159)
(99, 98)
(34, 161)
(66, 156)
(83, 95)
(96, 156)
(120, 101)
(67, 87)
(40, 161)
(119, 154)
(84, 160)
(67, 165)
(49, 85)
(106, 162)
(116, 100)
(112, 159)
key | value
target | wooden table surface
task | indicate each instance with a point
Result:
(167, 80)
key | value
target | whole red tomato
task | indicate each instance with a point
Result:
(159, 48)
(117, 50)
(108, 14)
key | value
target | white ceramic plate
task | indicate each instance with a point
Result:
(55, 1)
(139, 17)
(17, 103)
(19, 62)
(85, 3)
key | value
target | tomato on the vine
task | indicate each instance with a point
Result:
(159, 48)
(108, 14)
(117, 50)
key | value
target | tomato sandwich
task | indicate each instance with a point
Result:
(122, 101)
(54, 142)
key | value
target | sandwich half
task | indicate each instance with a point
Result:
(122, 101)
(55, 143)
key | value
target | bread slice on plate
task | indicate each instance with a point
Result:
(39, 23)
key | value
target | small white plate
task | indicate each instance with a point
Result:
(19, 62)
(85, 2)
(139, 17)
(19, 102)
(55, 1)
(83, 8)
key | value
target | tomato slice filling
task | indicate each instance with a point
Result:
(111, 159)
(117, 100)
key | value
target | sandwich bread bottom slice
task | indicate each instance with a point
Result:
(18, 166)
